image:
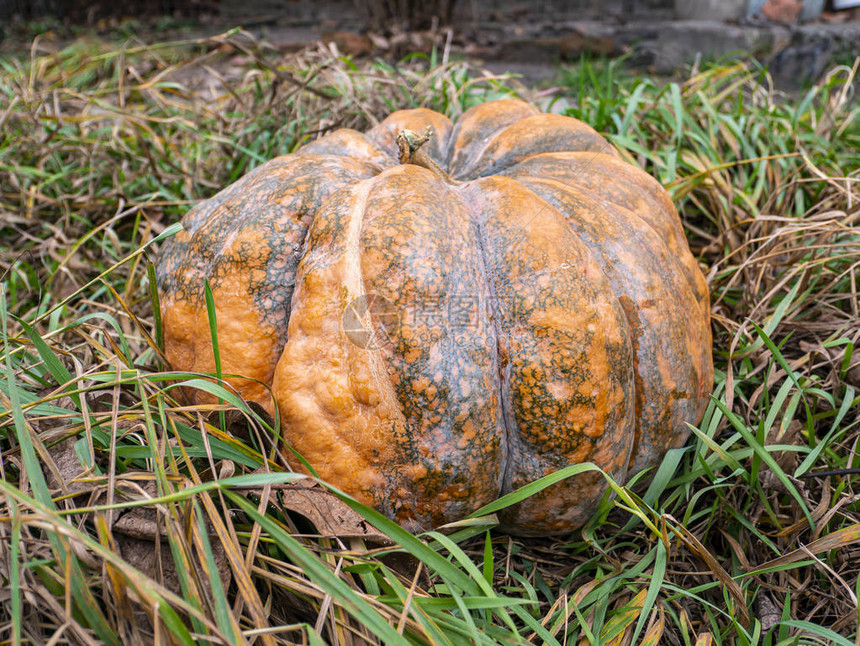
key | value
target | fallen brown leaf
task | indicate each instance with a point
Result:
(331, 517)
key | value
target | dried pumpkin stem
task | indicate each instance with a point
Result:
(409, 144)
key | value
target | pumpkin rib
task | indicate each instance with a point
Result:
(650, 446)
(539, 133)
(213, 241)
(669, 383)
(501, 366)
(420, 256)
(478, 125)
(559, 324)
(248, 247)
(324, 385)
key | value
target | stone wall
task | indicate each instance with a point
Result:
(566, 7)
(78, 10)
(317, 11)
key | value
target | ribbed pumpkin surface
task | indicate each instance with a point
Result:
(433, 345)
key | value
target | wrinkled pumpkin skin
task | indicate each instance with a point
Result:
(545, 311)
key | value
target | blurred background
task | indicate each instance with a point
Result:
(420, 13)
(797, 39)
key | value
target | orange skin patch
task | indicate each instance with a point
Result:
(434, 345)
(187, 342)
(350, 143)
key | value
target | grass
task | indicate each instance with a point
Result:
(127, 516)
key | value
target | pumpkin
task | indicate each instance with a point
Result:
(442, 313)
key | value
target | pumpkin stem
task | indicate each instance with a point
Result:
(409, 145)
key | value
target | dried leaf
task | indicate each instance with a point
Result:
(833, 541)
(141, 523)
(768, 613)
(615, 630)
(67, 468)
(155, 560)
(331, 517)
(140, 535)
(705, 639)
(656, 626)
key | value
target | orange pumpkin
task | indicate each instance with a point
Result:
(443, 319)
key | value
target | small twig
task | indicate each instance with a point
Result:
(831, 472)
